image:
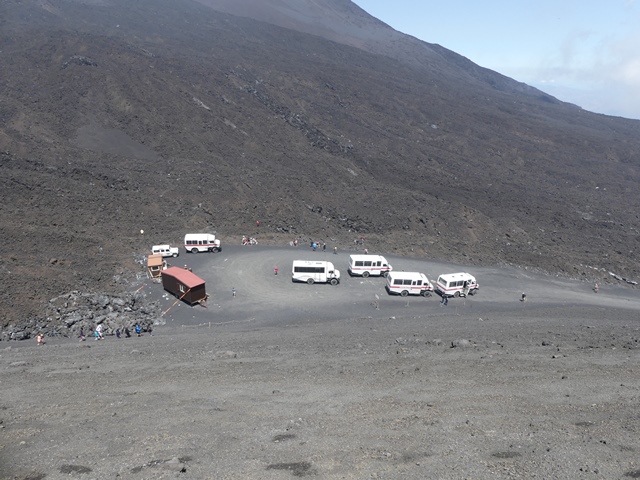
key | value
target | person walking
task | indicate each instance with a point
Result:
(233, 292)
(81, 336)
(138, 330)
(275, 270)
(335, 250)
(324, 247)
(523, 298)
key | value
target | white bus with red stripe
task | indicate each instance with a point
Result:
(366, 265)
(456, 285)
(408, 283)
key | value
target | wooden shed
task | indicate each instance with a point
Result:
(155, 265)
(184, 284)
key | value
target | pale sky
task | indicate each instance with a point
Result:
(585, 52)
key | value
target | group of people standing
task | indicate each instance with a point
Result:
(246, 240)
(98, 333)
(316, 245)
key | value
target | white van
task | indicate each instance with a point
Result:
(408, 283)
(312, 271)
(457, 285)
(366, 265)
(201, 242)
(165, 250)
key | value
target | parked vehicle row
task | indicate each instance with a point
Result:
(398, 283)
(193, 243)
(316, 271)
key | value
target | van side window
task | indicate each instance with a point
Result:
(397, 281)
(309, 269)
(407, 282)
(367, 263)
(358, 263)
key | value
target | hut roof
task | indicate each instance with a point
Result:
(154, 260)
(190, 279)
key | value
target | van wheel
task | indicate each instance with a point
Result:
(472, 292)
(365, 274)
(174, 255)
(404, 293)
(334, 281)
(426, 293)
(457, 294)
(385, 274)
(215, 250)
(310, 281)
(194, 250)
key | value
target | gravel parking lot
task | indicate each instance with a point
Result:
(293, 380)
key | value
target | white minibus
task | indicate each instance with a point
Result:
(456, 285)
(312, 271)
(408, 283)
(201, 242)
(366, 265)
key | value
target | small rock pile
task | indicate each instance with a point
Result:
(67, 314)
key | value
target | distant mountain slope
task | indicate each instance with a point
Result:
(345, 22)
(170, 116)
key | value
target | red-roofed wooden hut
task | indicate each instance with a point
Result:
(184, 284)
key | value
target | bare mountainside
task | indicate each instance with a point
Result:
(174, 116)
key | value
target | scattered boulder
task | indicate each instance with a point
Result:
(226, 354)
(460, 343)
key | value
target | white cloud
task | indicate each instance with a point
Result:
(601, 74)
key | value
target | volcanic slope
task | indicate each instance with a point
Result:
(170, 117)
